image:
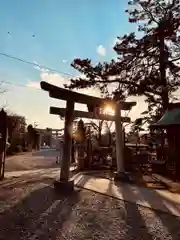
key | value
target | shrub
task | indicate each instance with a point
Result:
(25, 149)
(18, 148)
(15, 145)
(14, 149)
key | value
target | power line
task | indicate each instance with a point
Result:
(19, 85)
(35, 64)
(32, 64)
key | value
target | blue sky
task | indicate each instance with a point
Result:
(63, 29)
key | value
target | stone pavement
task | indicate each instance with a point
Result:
(156, 199)
(53, 172)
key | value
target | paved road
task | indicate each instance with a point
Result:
(45, 158)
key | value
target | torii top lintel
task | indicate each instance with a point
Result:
(67, 95)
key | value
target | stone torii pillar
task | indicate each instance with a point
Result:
(64, 173)
(119, 139)
(64, 184)
(120, 174)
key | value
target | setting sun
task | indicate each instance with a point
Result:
(108, 110)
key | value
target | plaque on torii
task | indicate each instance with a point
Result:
(91, 115)
(92, 103)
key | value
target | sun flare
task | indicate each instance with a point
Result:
(108, 110)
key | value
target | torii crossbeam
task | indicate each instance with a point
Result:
(67, 95)
(80, 114)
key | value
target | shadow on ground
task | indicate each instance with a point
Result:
(36, 214)
(43, 214)
(166, 223)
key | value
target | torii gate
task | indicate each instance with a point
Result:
(93, 103)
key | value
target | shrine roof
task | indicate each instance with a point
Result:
(170, 118)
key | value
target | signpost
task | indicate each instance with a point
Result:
(3, 140)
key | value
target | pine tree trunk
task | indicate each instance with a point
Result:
(164, 84)
(163, 79)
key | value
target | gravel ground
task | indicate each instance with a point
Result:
(31, 210)
(45, 158)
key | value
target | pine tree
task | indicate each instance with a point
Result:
(146, 65)
(152, 61)
(102, 76)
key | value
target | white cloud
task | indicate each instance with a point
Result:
(33, 84)
(101, 50)
(115, 41)
(47, 76)
(64, 61)
(54, 78)
(37, 68)
(59, 80)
